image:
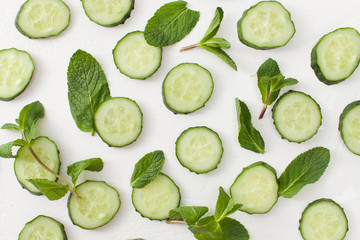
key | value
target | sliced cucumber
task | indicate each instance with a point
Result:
(43, 228)
(323, 219)
(96, 206)
(16, 70)
(42, 18)
(187, 87)
(199, 149)
(266, 25)
(297, 116)
(156, 199)
(256, 188)
(26, 167)
(118, 121)
(108, 13)
(135, 58)
(349, 126)
(336, 55)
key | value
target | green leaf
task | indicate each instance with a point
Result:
(233, 230)
(217, 43)
(52, 190)
(266, 72)
(28, 116)
(6, 149)
(147, 168)
(277, 85)
(214, 25)
(306, 168)
(224, 205)
(249, 138)
(221, 54)
(188, 214)
(87, 89)
(170, 23)
(10, 126)
(269, 68)
(92, 164)
(206, 228)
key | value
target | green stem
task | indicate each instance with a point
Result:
(188, 47)
(265, 106)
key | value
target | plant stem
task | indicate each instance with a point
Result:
(188, 47)
(175, 222)
(265, 105)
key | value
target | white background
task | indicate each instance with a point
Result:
(312, 19)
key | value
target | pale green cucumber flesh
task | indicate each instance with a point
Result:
(349, 126)
(108, 13)
(16, 70)
(135, 58)
(256, 188)
(297, 117)
(97, 205)
(266, 25)
(156, 199)
(118, 121)
(26, 167)
(323, 219)
(43, 18)
(199, 149)
(187, 87)
(43, 228)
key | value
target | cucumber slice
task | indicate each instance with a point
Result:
(349, 126)
(118, 121)
(199, 149)
(97, 205)
(42, 18)
(187, 87)
(108, 13)
(156, 199)
(297, 116)
(256, 187)
(135, 58)
(26, 167)
(323, 219)
(16, 70)
(43, 228)
(336, 55)
(266, 25)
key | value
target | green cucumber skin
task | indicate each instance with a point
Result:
(249, 44)
(318, 201)
(47, 36)
(274, 110)
(14, 96)
(343, 115)
(122, 21)
(263, 164)
(314, 65)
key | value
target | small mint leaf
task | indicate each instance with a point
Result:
(224, 205)
(217, 42)
(214, 25)
(189, 214)
(6, 149)
(92, 164)
(207, 228)
(283, 83)
(28, 116)
(52, 190)
(233, 230)
(10, 126)
(222, 55)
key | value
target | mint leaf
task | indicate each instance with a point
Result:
(206, 228)
(6, 149)
(276, 86)
(188, 214)
(249, 138)
(170, 23)
(147, 168)
(306, 168)
(224, 205)
(221, 54)
(233, 230)
(10, 126)
(216, 42)
(87, 89)
(92, 164)
(214, 25)
(28, 116)
(52, 190)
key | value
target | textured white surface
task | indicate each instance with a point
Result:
(341, 181)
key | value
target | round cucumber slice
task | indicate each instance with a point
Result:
(26, 166)
(199, 149)
(135, 58)
(42, 18)
(156, 199)
(266, 25)
(256, 187)
(187, 87)
(97, 205)
(108, 13)
(297, 116)
(118, 121)
(43, 228)
(349, 126)
(16, 70)
(336, 55)
(323, 219)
